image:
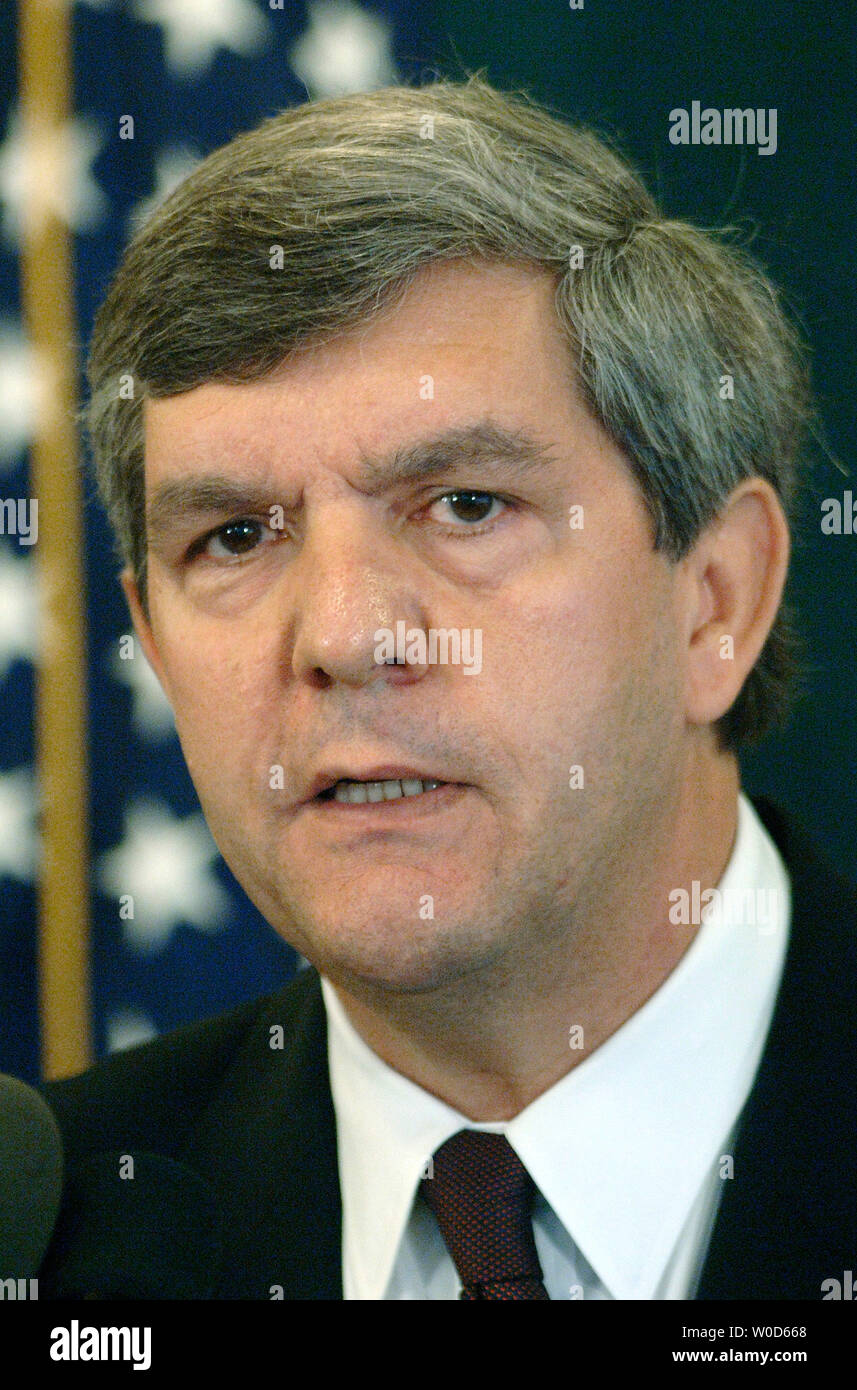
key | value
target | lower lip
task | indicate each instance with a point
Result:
(400, 808)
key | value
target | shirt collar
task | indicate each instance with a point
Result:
(622, 1144)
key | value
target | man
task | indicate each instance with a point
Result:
(452, 489)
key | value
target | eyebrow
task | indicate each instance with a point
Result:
(176, 503)
(456, 447)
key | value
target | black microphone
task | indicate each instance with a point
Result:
(135, 1225)
(31, 1165)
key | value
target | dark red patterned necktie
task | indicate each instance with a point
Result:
(482, 1196)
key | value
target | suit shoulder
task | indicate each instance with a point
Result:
(821, 892)
(151, 1094)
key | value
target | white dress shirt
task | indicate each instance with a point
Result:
(629, 1150)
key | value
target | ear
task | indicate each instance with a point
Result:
(735, 577)
(143, 627)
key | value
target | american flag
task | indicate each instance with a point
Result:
(154, 86)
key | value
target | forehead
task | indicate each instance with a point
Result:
(463, 341)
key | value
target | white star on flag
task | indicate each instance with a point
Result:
(127, 1028)
(19, 839)
(345, 49)
(195, 29)
(19, 615)
(172, 166)
(152, 711)
(162, 872)
(50, 175)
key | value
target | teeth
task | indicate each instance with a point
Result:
(354, 793)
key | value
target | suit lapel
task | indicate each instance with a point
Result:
(786, 1220)
(267, 1144)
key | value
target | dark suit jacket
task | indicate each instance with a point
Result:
(257, 1123)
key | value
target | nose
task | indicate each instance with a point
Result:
(350, 584)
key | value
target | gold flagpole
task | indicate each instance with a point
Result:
(46, 87)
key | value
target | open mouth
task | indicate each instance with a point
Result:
(392, 789)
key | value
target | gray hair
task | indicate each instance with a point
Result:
(681, 348)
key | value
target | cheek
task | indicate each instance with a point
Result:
(576, 630)
(221, 700)
(581, 657)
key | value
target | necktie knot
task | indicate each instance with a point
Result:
(481, 1195)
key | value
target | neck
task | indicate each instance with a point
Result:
(489, 1044)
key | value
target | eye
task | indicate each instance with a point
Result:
(232, 540)
(470, 508)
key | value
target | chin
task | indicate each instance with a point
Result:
(396, 957)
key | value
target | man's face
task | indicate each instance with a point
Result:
(266, 637)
